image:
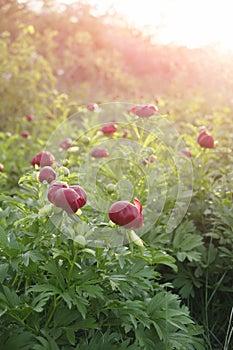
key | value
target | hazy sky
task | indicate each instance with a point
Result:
(190, 22)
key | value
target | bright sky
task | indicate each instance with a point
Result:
(193, 23)
(190, 22)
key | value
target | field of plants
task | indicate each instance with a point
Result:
(116, 202)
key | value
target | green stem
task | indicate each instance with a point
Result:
(15, 279)
(72, 265)
(21, 321)
(55, 305)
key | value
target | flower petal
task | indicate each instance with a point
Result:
(138, 205)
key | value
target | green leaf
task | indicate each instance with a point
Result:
(12, 298)
(40, 301)
(52, 268)
(2, 311)
(44, 288)
(161, 257)
(18, 339)
(70, 333)
(81, 305)
(68, 299)
(44, 344)
(3, 238)
(191, 241)
(3, 271)
(64, 316)
(191, 256)
(32, 255)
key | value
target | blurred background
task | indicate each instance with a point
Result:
(116, 50)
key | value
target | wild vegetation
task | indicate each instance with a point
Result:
(75, 273)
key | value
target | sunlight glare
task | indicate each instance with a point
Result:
(191, 23)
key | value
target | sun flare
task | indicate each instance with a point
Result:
(191, 23)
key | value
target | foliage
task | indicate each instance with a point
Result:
(202, 244)
(59, 294)
(26, 81)
(168, 289)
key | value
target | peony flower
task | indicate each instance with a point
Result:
(92, 107)
(152, 159)
(144, 111)
(108, 128)
(81, 193)
(25, 134)
(98, 152)
(47, 174)
(42, 159)
(49, 117)
(67, 199)
(205, 139)
(125, 133)
(186, 153)
(147, 160)
(125, 214)
(53, 188)
(66, 143)
(30, 117)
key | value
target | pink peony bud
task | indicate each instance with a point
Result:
(81, 193)
(53, 188)
(108, 128)
(98, 152)
(42, 159)
(205, 139)
(66, 143)
(92, 107)
(47, 174)
(186, 153)
(67, 199)
(30, 117)
(144, 111)
(125, 214)
(25, 134)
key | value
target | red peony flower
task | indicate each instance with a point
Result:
(30, 117)
(147, 160)
(81, 193)
(125, 214)
(49, 117)
(144, 111)
(25, 134)
(53, 188)
(205, 139)
(98, 152)
(152, 159)
(42, 159)
(144, 162)
(92, 107)
(186, 153)
(47, 174)
(109, 128)
(67, 199)
(66, 143)
(125, 133)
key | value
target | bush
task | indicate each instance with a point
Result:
(58, 293)
(27, 82)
